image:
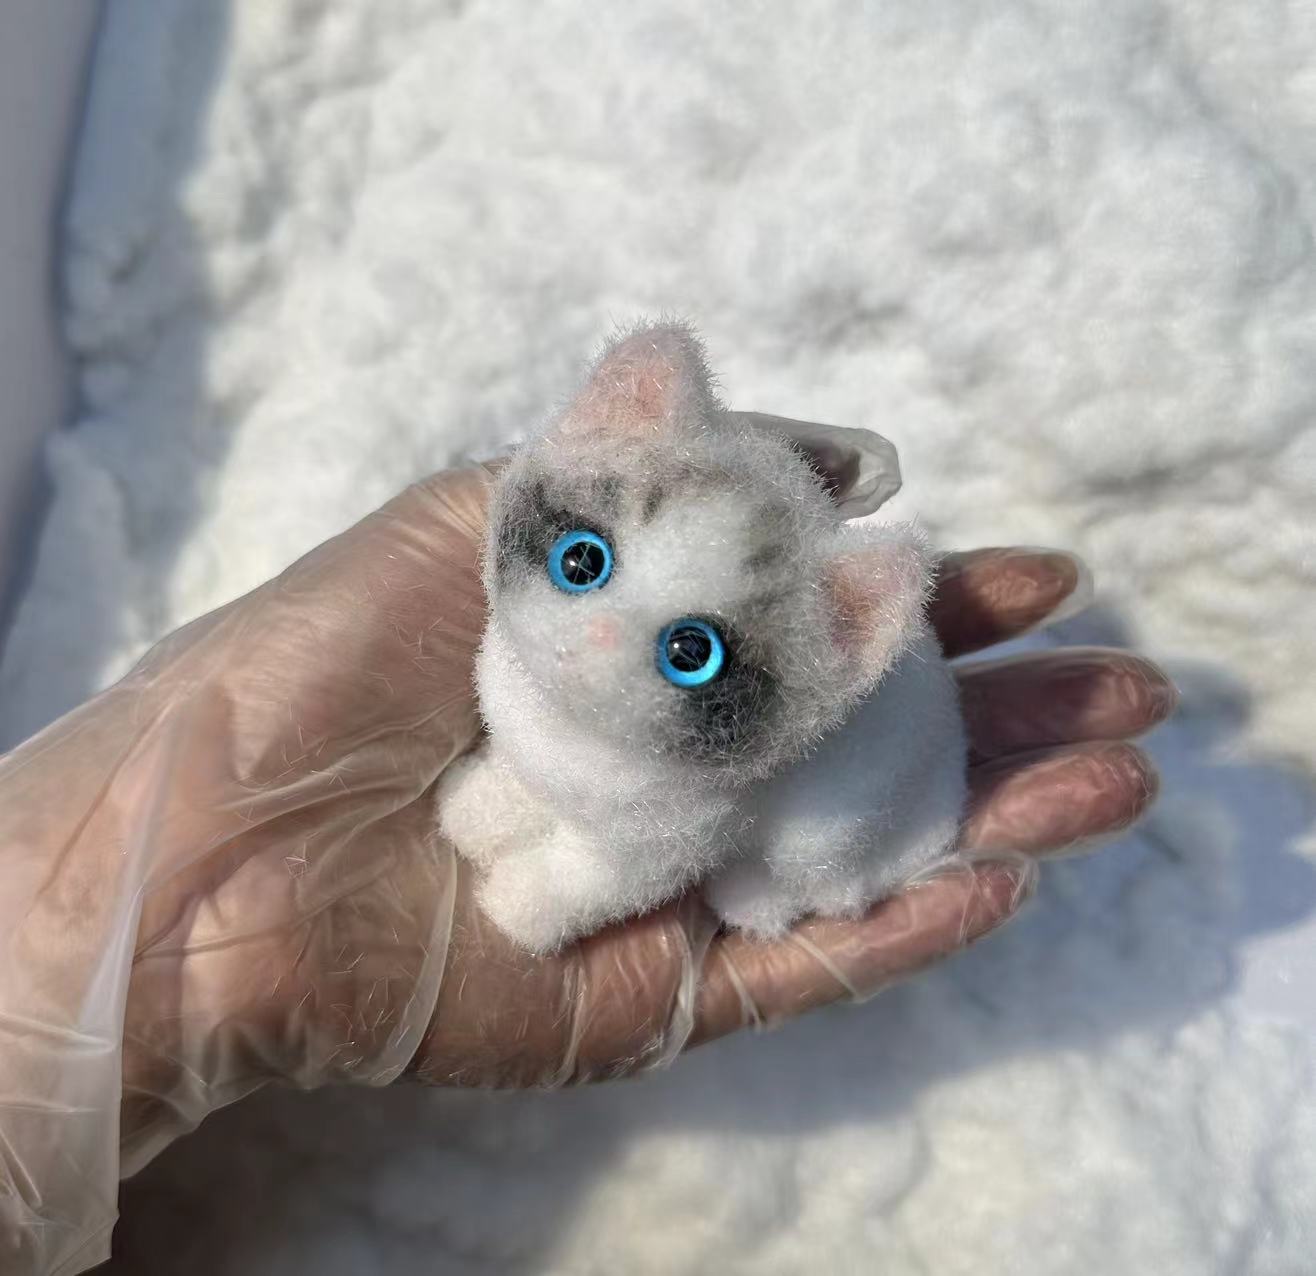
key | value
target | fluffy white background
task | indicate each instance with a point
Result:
(1061, 253)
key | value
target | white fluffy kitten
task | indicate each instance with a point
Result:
(694, 670)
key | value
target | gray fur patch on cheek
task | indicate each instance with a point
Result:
(518, 531)
(530, 518)
(727, 721)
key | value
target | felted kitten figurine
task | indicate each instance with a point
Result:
(695, 670)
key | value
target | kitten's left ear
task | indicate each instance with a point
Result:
(859, 468)
(652, 381)
(878, 588)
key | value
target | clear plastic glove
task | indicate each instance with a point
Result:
(224, 871)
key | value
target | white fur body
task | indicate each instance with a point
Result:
(876, 804)
(570, 834)
(568, 848)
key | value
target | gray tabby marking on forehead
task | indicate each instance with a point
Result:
(763, 557)
(685, 480)
(760, 610)
(653, 502)
(775, 534)
(605, 494)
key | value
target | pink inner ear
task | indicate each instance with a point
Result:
(640, 386)
(877, 597)
(637, 390)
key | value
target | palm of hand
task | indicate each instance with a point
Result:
(306, 919)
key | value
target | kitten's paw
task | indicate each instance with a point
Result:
(511, 899)
(547, 896)
(467, 808)
(748, 897)
(483, 809)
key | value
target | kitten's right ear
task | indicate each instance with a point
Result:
(649, 382)
(878, 584)
(860, 469)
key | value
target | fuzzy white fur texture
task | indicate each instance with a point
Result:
(817, 772)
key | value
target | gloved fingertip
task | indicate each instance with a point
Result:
(1064, 578)
(1005, 884)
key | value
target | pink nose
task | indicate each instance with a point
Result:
(603, 632)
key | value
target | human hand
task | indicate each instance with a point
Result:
(1049, 772)
(228, 863)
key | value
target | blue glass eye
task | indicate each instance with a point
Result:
(580, 561)
(690, 652)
